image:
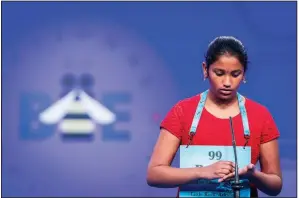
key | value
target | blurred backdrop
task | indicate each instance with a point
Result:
(136, 59)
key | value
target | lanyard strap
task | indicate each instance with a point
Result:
(201, 105)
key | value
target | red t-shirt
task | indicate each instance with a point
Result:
(216, 131)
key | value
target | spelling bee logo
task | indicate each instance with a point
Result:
(75, 114)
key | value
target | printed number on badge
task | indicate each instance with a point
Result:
(215, 155)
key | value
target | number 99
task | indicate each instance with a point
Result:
(215, 155)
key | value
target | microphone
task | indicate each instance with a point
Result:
(236, 185)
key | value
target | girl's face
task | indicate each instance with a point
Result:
(225, 76)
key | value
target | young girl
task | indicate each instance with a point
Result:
(203, 120)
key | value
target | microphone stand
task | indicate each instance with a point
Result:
(236, 184)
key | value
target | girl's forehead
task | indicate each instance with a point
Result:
(227, 63)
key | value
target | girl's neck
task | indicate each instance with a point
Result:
(220, 103)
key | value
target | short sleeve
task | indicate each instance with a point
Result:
(173, 120)
(270, 130)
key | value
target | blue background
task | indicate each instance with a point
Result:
(178, 34)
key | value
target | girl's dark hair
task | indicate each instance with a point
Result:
(226, 45)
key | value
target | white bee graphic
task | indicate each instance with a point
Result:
(77, 113)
